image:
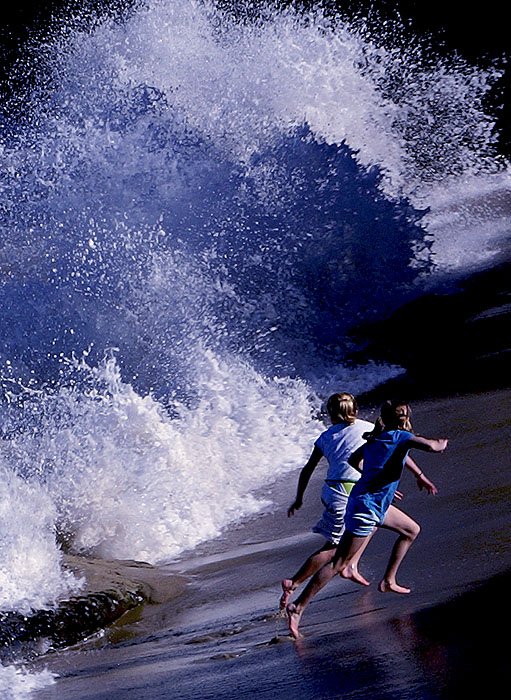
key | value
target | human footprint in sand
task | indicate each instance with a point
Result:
(370, 505)
(337, 444)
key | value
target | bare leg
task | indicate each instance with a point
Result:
(408, 530)
(315, 562)
(343, 558)
(350, 570)
(308, 568)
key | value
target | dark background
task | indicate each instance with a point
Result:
(479, 33)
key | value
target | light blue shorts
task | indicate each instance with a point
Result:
(334, 496)
(359, 520)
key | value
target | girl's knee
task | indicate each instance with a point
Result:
(410, 531)
(415, 529)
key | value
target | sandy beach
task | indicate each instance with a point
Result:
(222, 636)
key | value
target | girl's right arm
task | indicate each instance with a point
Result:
(303, 480)
(428, 445)
(422, 480)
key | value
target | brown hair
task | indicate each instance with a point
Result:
(342, 408)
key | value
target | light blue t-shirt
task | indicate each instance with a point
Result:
(384, 458)
(338, 443)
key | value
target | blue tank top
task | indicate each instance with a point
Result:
(384, 458)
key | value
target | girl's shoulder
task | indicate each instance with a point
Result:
(398, 435)
(365, 424)
(357, 427)
(325, 434)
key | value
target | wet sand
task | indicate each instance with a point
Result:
(222, 637)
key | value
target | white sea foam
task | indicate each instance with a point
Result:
(417, 116)
(17, 683)
(469, 222)
(30, 570)
(131, 482)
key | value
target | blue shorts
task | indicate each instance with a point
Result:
(359, 520)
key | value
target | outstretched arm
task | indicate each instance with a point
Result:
(303, 480)
(428, 445)
(422, 480)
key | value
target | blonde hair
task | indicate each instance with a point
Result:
(342, 408)
(394, 415)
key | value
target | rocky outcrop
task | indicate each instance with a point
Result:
(111, 588)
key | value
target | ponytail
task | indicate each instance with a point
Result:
(394, 415)
(342, 408)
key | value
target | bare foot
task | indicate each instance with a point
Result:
(294, 617)
(389, 587)
(287, 587)
(352, 573)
